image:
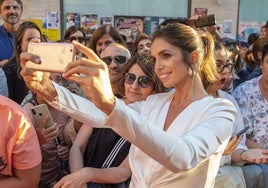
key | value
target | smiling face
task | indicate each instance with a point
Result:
(11, 12)
(170, 66)
(134, 92)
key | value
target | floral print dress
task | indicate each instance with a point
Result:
(254, 108)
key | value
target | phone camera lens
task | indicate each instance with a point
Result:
(33, 111)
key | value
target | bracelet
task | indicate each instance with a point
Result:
(241, 155)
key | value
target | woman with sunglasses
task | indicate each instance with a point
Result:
(75, 33)
(136, 82)
(177, 137)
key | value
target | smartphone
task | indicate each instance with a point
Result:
(39, 112)
(204, 21)
(54, 56)
(242, 131)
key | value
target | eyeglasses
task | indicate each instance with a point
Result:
(143, 81)
(79, 39)
(117, 59)
(221, 67)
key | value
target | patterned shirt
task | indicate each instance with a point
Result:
(254, 108)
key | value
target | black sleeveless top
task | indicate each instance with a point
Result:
(100, 145)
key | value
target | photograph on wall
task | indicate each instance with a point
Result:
(227, 26)
(106, 20)
(89, 23)
(247, 28)
(129, 26)
(72, 19)
(53, 20)
(151, 24)
(201, 11)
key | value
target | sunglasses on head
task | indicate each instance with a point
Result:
(143, 81)
(79, 39)
(117, 59)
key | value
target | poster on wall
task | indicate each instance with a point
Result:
(106, 20)
(151, 24)
(53, 20)
(72, 19)
(52, 34)
(227, 29)
(201, 11)
(227, 26)
(89, 23)
(129, 26)
(246, 28)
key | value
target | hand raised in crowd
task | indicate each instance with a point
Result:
(233, 143)
(92, 75)
(46, 134)
(255, 156)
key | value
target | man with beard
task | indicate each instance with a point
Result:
(10, 11)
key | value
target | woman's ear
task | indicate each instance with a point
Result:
(194, 57)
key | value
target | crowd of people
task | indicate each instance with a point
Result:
(161, 113)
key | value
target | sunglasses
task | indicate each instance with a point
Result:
(119, 59)
(79, 39)
(143, 81)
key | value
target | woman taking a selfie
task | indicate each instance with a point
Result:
(177, 137)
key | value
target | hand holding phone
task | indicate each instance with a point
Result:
(242, 131)
(54, 56)
(39, 112)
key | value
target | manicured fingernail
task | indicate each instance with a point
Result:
(37, 60)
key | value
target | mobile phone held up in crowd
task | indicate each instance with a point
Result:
(54, 56)
(242, 131)
(204, 21)
(39, 112)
